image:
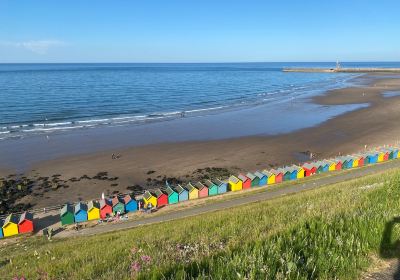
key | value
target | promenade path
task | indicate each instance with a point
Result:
(251, 197)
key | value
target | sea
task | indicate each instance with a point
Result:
(47, 98)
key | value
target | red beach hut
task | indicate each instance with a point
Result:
(25, 223)
(162, 198)
(309, 169)
(203, 190)
(105, 208)
(278, 175)
(338, 162)
(246, 181)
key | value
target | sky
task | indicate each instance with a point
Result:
(198, 31)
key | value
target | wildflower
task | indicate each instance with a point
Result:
(135, 266)
(146, 259)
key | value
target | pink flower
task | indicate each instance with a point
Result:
(135, 266)
(146, 259)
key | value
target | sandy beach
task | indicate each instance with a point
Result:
(149, 165)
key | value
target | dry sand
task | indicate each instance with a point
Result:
(375, 125)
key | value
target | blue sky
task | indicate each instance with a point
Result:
(198, 31)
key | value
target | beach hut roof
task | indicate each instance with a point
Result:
(276, 171)
(80, 206)
(251, 176)
(127, 198)
(115, 200)
(208, 183)
(268, 173)
(200, 185)
(309, 165)
(219, 182)
(234, 179)
(260, 175)
(158, 193)
(147, 195)
(67, 208)
(169, 191)
(179, 188)
(12, 218)
(26, 216)
(242, 178)
(93, 204)
(190, 187)
(104, 202)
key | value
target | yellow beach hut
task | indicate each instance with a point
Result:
(381, 156)
(93, 210)
(332, 165)
(235, 184)
(300, 171)
(149, 198)
(10, 226)
(193, 191)
(271, 177)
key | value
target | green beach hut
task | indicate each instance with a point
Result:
(118, 205)
(67, 215)
(212, 188)
(173, 196)
(255, 181)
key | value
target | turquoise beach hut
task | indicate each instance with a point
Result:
(131, 205)
(262, 178)
(80, 213)
(173, 196)
(67, 215)
(293, 172)
(222, 186)
(212, 188)
(1, 229)
(183, 193)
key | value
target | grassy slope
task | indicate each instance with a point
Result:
(325, 233)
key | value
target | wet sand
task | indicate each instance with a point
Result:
(375, 125)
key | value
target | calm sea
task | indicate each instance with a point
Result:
(43, 98)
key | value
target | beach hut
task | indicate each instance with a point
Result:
(338, 163)
(193, 191)
(183, 193)
(162, 198)
(373, 157)
(246, 182)
(93, 210)
(222, 186)
(319, 167)
(359, 160)
(263, 178)
(10, 226)
(254, 179)
(80, 213)
(278, 175)
(25, 223)
(203, 190)
(212, 188)
(131, 205)
(290, 173)
(235, 184)
(149, 199)
(325, 166)
(173, 196)
(270, 177)
(117, 205)
(349, 162)
(381, 156)
(396, 153)
(1, 229)
(309, 169)
(300, 171)
(67, 215)
(105, 208)
(285, 173)
(331, 165)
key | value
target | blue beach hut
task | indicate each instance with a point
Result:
(222, 186)
(373, 157)
(131, 205)
(80, 213)
(325, 166)
(293, 172)
(183, 193)
(350, 162)
(263, 179)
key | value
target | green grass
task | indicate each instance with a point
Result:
(330, 232)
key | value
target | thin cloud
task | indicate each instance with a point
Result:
(37, 46)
